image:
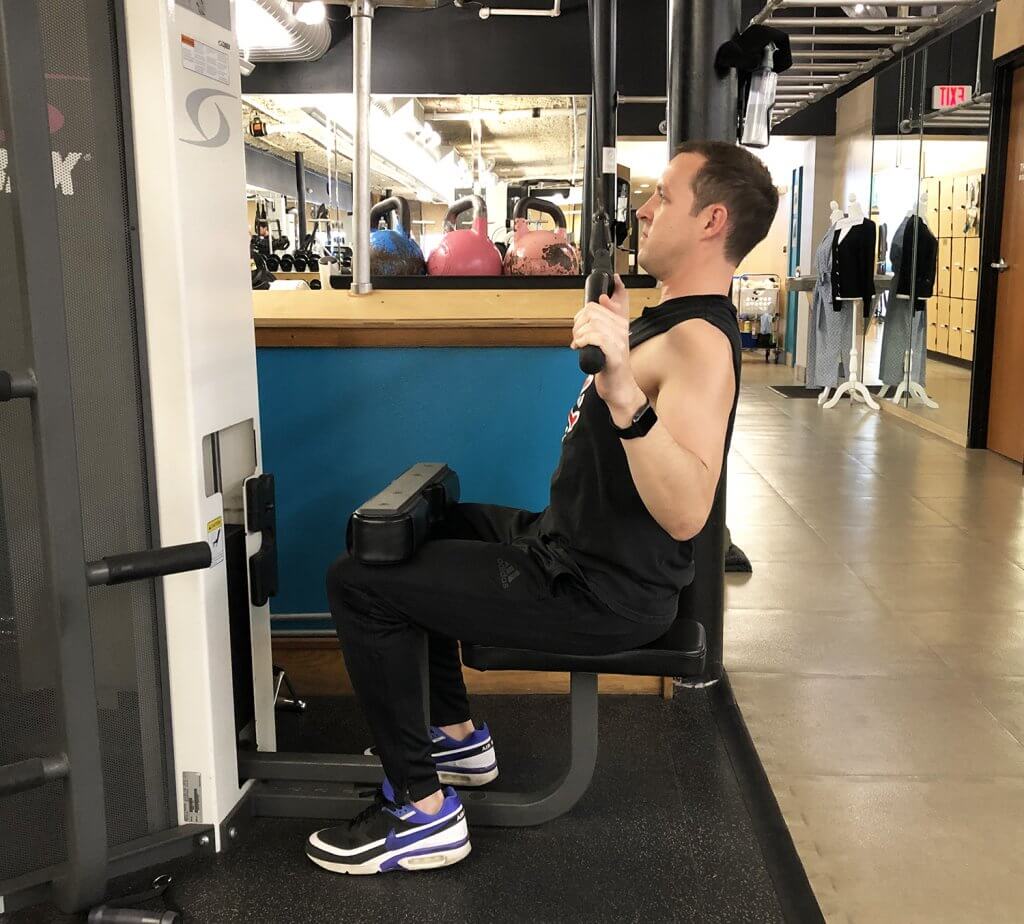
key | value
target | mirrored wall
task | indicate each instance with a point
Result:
(931, 136)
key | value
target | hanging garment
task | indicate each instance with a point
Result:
(853, 264)
(903, 330)
(831, 332)
(910, 273)
(902, 333)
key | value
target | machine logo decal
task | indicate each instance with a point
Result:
(574, 414)
(193, 105)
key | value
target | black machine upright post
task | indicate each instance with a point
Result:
(702, 105)
(300, 184)
(83, 876)
(603, 121)
(702, 101)
(602, 177)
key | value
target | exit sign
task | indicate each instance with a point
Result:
(946, 96)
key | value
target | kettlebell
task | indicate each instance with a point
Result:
(466, 251)
(392, 251)
(540, 253)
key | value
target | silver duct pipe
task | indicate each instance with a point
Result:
(308, 42)
(362, 26)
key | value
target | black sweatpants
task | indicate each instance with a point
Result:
(469, 584)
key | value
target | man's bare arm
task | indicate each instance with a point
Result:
(676, 467)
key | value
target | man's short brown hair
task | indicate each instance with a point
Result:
(733, 176)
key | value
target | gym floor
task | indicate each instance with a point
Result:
(662, 835)
(877, 653)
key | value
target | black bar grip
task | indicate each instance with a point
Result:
(599, 283)
(137, 566)
(31, 774)
(16, 386)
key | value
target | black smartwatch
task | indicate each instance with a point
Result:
(640, 425)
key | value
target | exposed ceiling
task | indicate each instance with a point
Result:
(836, 43)
(524, 136)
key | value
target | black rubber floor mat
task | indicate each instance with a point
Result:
(678, 826)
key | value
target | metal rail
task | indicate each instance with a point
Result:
(826, 65)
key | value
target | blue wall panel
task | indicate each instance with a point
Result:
(338, 424)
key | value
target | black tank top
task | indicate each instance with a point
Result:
(596, 526)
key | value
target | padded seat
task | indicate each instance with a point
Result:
(685, 657)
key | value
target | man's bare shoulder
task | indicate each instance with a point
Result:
(697, 350)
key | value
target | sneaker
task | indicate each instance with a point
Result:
(471, 762)
(387, 836)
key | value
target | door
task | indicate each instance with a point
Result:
(1006, 410)
(795, 227)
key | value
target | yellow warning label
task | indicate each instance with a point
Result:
(215, 536)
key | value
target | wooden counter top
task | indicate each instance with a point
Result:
(409, 317)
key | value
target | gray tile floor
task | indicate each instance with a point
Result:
(877, 653)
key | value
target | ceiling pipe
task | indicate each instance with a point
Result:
(309, 42)
(843, 22)
(487, 12)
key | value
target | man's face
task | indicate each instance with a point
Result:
(668, 229)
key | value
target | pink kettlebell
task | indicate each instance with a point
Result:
(465, 251)
(540, 253)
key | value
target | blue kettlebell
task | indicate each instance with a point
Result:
(393, 252)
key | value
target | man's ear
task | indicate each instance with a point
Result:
(716, 220)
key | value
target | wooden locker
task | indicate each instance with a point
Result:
(930, 186)
(956, 321)
(975, 189)
(955, 341)
(970, 315)
(947, 188)
(933, 336)
(967, 347)
(943, 279)
(942, 312)
(972, 266)
(956, 274)
(959, 206)
(942, 339)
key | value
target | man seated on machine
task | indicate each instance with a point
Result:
(600, 570)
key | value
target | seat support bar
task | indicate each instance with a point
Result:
(326, 785)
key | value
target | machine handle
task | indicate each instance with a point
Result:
(476, 203)
(16, 386)
(539, 205)
(137, 566)
(393, 204)
(31, 774)
(599, 282)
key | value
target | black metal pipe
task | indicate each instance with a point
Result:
(137, 566)
(702, 101)
(587, 213)
(300, 184)
(604, 105)
(32, 773)
(703, 105)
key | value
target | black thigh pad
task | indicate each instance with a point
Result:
(393, 524)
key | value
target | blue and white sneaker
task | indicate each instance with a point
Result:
(471, 762)
(387, 836)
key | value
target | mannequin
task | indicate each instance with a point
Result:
(914, 256)
(830, 329)
(853, 281)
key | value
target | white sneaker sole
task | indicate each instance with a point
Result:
(466, 780)
(410, 864)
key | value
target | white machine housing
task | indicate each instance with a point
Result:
(185, 93)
